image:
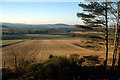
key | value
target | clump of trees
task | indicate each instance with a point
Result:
(25, 32)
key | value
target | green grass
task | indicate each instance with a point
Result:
(15, 37)
(6, 42)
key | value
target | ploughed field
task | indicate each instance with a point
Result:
(39, 50)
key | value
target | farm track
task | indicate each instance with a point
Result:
(39, 50)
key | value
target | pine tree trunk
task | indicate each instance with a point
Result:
(118, 33)
(119, 59)
(116, 40)
(106, 36)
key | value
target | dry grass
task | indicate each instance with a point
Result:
(42, 35)
(39, 50)
(79, 32)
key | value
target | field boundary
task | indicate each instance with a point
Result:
(11, 43)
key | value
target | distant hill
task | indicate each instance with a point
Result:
(62, 25)
(34, 25)
(14, 24)
(25, 27)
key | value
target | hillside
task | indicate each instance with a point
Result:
(41, 27)
(36, 25)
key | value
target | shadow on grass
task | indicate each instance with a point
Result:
(79, 45)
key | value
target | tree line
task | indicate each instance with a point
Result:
(13, 32)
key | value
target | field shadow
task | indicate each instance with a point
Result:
(79, 45)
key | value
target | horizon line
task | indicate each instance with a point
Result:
(37, 24)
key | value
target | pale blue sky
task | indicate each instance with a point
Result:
(41, 12)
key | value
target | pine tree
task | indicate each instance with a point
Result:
(106, 36)
(95, 16)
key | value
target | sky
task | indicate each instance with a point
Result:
(41, 12)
